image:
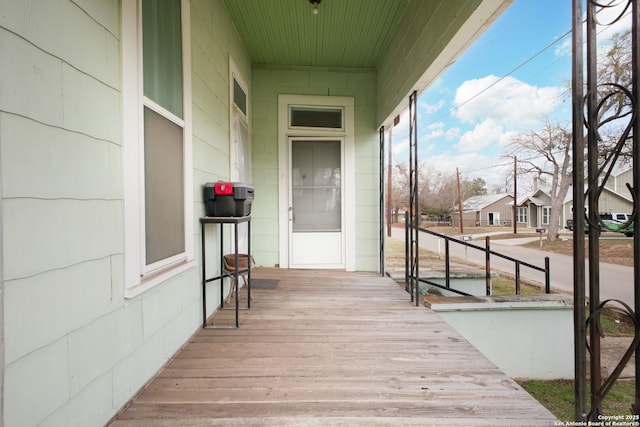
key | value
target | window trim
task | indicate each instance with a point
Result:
(138, 276)
(235, 74)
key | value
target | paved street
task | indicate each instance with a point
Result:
(615, 281)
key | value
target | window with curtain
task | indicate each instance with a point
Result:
(546, 214)
(240, 146)
(522, 215)
(240, 152)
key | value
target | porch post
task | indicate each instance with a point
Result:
(635, 47)
(382, 198)
(580, 364)
(414, 206)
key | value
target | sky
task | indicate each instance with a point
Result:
(516, 74)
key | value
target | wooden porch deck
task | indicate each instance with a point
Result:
(332, 348)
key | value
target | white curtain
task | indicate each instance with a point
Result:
(240, 163)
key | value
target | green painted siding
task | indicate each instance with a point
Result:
(75, 349)
(268, 83)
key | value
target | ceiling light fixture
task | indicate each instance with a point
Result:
(315, 4)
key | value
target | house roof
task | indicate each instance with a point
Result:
(532, 197)
(569, 197)
(477, 203)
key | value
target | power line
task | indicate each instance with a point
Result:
(511, 72)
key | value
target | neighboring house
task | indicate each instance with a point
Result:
(614, 198)
(534, 209)
(115, 113)
(487, 210)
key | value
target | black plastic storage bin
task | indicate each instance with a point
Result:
(227, 198)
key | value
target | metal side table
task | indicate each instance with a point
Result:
(220, 221)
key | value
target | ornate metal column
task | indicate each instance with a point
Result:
(600, 109)
(414, 206)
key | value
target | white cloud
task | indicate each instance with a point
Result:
(483, 135)
(506, 137)
(564, 48)
(434, 130)
(607, 15)
(452, 133)
(400, 147)
(431, 108)
(509, 101)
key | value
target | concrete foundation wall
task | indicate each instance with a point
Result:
(525, 336)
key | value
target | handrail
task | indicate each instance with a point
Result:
(507, 257)
(488, 253)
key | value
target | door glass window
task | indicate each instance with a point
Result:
(316, 185)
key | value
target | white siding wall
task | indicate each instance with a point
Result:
(75, 349)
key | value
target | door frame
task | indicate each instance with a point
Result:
(285, 132)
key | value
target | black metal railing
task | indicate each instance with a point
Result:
(488, 252)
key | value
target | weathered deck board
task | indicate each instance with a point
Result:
(332, 348)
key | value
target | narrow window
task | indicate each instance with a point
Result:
(163, 131)
(156, 98)
(240, 151)
(240, 143)
(324, 118)
(546, 215)
(523, 215)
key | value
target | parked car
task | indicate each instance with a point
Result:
(569, 225)
(617, 222)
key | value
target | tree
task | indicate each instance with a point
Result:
(547, 153)
(615, 102)
(437, 192)
(475, 187)
(549, 150)
(400, 186)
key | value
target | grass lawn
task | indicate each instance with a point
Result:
(558, 397)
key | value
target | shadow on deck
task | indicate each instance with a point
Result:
(332, 348)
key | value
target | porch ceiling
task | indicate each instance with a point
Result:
(350, 34)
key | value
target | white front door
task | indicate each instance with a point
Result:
(316, 203)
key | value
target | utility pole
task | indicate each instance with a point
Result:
(459, 202)
(515, 195)
(396, 120)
